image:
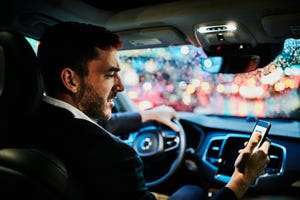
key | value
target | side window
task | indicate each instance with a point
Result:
(33, 42)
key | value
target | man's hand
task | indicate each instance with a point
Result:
(249, 165)
(163, 114)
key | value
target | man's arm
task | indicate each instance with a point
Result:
(126, 122)
(122, 123)
(249, 165)
(163, 114)
(225, 194)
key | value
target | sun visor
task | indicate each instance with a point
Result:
(35, 23)
(218, 33)
(282, 25)
(152, 37)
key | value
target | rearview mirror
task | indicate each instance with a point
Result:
(241, 60)
(232, 64)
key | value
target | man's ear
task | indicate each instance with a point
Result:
(70, 79)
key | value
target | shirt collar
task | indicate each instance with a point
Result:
(62, 104)
(75, 111)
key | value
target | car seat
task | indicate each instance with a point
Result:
(24, 172)
(31, 174)
(21, 84)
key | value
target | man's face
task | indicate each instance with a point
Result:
(101, 86)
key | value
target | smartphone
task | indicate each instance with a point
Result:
(263, 128)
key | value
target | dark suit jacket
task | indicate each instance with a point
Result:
(100, 163)
(126, 122)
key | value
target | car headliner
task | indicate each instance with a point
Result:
(262, 25)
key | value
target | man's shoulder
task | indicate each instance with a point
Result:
(49, 110)
(57, 120)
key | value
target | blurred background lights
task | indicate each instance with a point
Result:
(190, 89)
(251, 92)
(185, 50)
(151, 66)
(132, 94)
(207, 63)
(182, 85)
(147, 86)
(186, 98)
(130, 77)
(272, 77)
(195, 82)
(143, 105)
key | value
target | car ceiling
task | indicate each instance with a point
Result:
(169, 21)
(124, 5)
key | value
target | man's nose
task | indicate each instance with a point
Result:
(119, 84)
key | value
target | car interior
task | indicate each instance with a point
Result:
(236, 37)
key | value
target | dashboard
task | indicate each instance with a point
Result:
(215, 141)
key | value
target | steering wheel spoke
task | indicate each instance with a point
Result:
(171, 142)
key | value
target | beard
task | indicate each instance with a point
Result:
(93, 104)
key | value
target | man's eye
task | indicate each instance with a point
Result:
(110, 75)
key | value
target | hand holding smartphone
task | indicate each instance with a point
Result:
(263, 128)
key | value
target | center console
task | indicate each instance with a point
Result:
(222, 151)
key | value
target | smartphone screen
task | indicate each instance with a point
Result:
(263, 128)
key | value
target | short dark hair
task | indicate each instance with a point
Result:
(71, 44)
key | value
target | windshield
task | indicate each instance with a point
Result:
(174, 76)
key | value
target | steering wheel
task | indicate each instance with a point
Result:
(156, 142)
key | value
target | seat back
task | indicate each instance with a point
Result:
(31, 174)
(24, 173)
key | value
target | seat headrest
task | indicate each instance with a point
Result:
(21, 85)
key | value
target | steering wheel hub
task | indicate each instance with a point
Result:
(148, 143)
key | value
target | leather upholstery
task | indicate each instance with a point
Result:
(24, 173)
(32, 174)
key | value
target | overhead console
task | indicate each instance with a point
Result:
(222, 151)
(236, 45)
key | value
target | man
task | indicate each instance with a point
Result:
(81, 73)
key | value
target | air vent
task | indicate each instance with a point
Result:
(277, 156)
(213, 152)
